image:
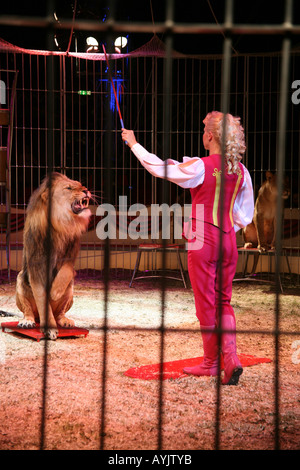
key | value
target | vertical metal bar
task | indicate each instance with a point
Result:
(61, 116)
(63, 89)
(50, 152)
(23, 127)
(108, 193)
(72, 108)
(192, 109)
(246, 101)
(177, 108)
(154, 118)
(200, 110)
(207, 88)
(280, 162)
(145, 113)
(30, 119)
(87, 101)
(129, 117)
(254, 121)
(262, 121)
(166, 150)
(185, 152)
(80, 77)
(225, 90)
(39, 126)
(271, 75)
(16, 153)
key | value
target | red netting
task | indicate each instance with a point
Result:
(154, 47)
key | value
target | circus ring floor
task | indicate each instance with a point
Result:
(75, 365)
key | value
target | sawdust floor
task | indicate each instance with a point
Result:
(74, 380)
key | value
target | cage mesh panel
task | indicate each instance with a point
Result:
(81, 128)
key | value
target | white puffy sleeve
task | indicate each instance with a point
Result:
(243, 208)
(188, 174)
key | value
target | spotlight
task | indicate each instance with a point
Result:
(55, 36)
(120, 43)
(56, 42)
(92, 44)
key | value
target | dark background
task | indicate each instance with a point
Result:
(253, 12)
(200, 11)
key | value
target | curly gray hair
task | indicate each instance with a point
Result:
(235, 138)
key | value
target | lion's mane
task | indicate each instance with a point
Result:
(69, 219)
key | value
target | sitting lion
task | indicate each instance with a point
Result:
(262, 230)
(69, 219)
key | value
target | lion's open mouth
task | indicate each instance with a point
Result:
(80, 205)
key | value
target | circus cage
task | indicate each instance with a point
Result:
(121, 386)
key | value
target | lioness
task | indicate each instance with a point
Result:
(69, 219)
(262, 230)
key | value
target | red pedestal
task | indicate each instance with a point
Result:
(37, 334)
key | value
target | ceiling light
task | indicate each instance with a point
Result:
(120, 43)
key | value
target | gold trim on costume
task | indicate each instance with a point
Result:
(217, 173)
(234, 195)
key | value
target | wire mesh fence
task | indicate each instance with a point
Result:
(66, 120)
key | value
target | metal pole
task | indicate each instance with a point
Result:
(227, 47)
(280, 165)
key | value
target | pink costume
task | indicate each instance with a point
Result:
(203, 178)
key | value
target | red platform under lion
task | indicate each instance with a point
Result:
(37, 334)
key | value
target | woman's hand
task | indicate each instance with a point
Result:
(128, 137)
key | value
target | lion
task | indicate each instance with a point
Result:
(52, 249)
(262, 230)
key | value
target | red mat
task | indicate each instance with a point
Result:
(35, 333)
(173, 369)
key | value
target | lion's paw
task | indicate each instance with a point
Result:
(50, 333)
(262, 248)
(65, 322)
(26, 323)
(248, 245)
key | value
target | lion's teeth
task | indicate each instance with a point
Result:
(80, 204)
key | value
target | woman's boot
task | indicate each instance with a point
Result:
(232, 366)
(210, 363)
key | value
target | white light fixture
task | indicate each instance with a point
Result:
(92, 44)
(56, 41)
(120, 43)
